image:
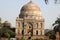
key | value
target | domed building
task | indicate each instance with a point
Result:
(30, 23)
(7, 24)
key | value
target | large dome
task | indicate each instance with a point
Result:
(30, 6)
(30, 9)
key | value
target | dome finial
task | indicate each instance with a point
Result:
(30, 0)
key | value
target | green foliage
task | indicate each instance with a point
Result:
(5, 32)
(57, 25)
(41, 39)
(23, 39)
(1, 32)
(46, 1)
(33, 39)
(51, 34)
(38, 39)
(0, 23)
(9, 33)
(0, 20)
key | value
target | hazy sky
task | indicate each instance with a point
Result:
(10, 9)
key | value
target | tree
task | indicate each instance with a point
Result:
(57, 25)
(55, 1)
(51, 34)
(1, 33)
(0, 23)
(8, 30)
(9, 33)
(5, 32)
(46, 1)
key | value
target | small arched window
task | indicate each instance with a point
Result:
(41, 25)
(37, 25)
(36, 32)
(22, 32)
(18, 24)
(18, 31)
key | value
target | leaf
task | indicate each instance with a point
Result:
(46, 1)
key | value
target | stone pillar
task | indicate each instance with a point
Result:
(57, 35)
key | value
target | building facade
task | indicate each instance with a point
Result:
(30, 23)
